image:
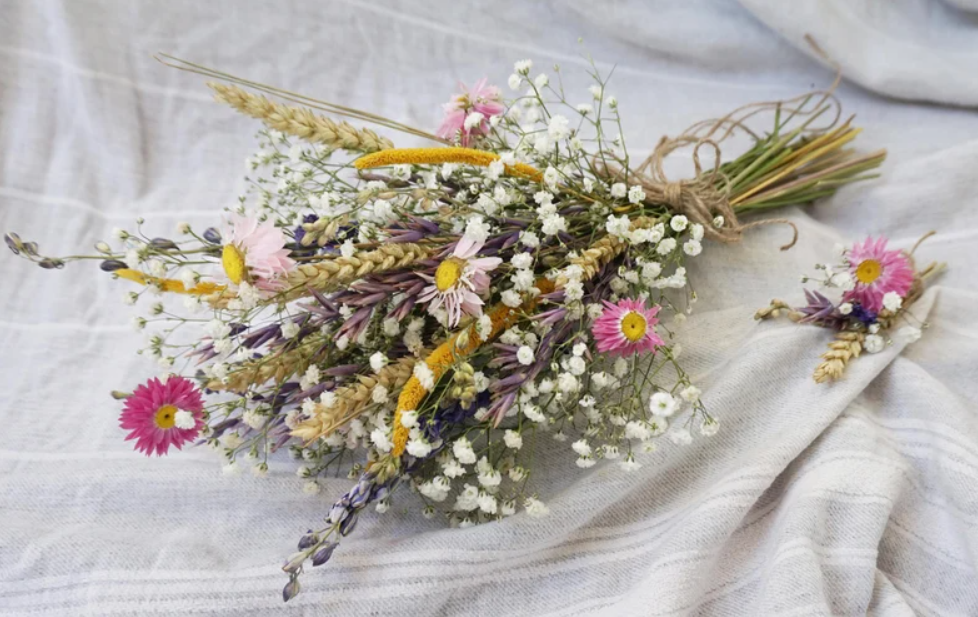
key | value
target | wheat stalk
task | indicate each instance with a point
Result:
(845, 347)
(277, 367)
(300, 122)
(602, 252)
(352, 400)
(339, 270)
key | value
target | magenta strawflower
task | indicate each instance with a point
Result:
(877, 271)
(460, 281)
(461, 122)
(163, 414)
(626, 328)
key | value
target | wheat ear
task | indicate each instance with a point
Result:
(352, 400)
(339, 270)
(845, 347)
(300, 122)
(602, 252)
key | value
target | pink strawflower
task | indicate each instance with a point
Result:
(163, 414)
(626, 328)
(877, 271)
(459, 282)
(481, 99)
(254, 252)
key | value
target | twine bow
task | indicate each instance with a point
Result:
(701, 198)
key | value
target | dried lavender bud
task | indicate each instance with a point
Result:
(162, 243)
(212, 235)
(291, 589)
(111, 265)
(348, 525)
(323, 554)
(13, 242)
(308, 540)
(51, 264)
(294, 563)
(30, 248)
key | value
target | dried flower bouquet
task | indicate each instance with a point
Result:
(421, 317)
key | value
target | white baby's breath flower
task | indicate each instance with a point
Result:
(637, 430)
(378, 361)
(381, 440)
(290, 329)
(709, 427)
(522, 261)
(184, 419)
(379, 394)
(845, 308)
(690, 394)
(678, 222)
(874, 343)
(663, 404)
(535, 508)
(619, 190)
(409, 419)
(529, 239)
(629, 464)
(692, 248)
(533, 413)
(511, 298)
(524, 355)
(425, 376)
(418, 447)
(892, 301)
(596, 91)
(585, 109)
(541, 81)
(515, 81)
(391, 326)
(477, 230)
(523, 67)
(696, 231)
(310, 378)
(665, 247)
(558, 128)
(473, 120)
(718, 221)
(581, 447)
(253, 419)
(513, 440)
(636, 194)
(462, 449)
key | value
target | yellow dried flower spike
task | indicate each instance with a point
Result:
(438, 156)
(171, 285)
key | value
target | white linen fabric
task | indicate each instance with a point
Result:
(852, 498)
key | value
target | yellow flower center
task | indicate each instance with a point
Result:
(234, 263)
(166, 416)
(633, 326)
(448, 273)
(868, 271)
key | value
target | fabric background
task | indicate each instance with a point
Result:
(853, 498)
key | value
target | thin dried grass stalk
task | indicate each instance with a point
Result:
(300, 122)
(351, 401)
(845, 347)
